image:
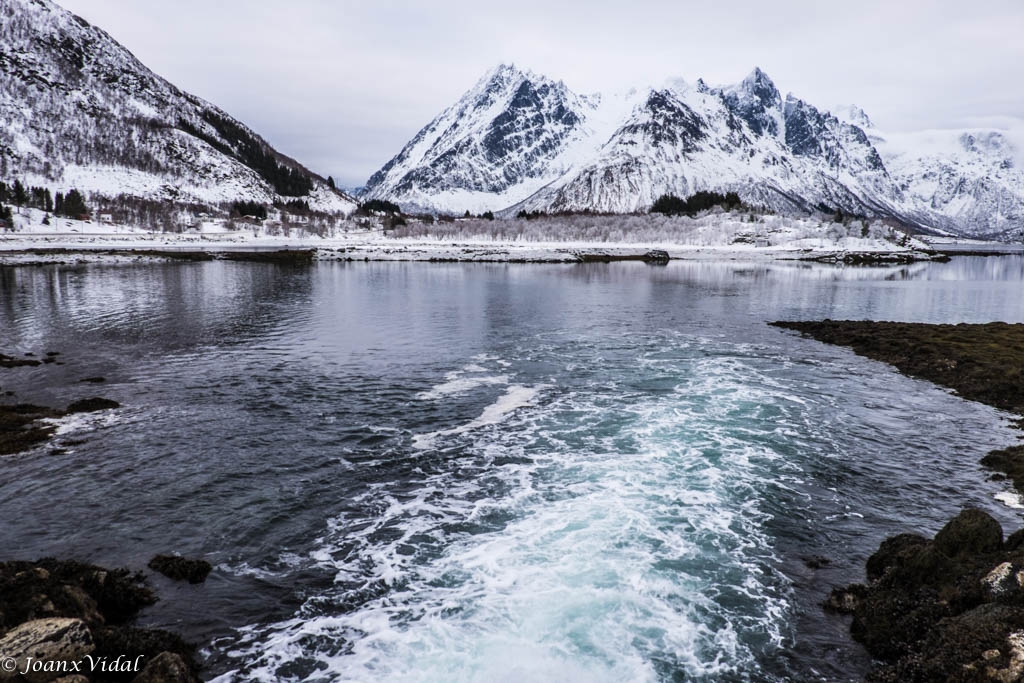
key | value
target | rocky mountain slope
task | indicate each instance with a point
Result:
(520, 141)
(963, 181)
(79, 110)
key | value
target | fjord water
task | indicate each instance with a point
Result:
(467, 472)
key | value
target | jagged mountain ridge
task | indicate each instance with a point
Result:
(962, 181)
(618, 153)
(79, 110)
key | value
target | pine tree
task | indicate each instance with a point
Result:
(58, 204)
(74, 204)
(330, 181)
(20, 197)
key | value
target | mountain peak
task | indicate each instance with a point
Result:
(759, 85)
(851, 113)
(503, 74)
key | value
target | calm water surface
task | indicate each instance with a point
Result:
(466, 472)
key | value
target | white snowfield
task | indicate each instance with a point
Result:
(716, 235)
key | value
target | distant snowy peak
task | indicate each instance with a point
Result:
(967, 181)
(506, 130)
(757, 102)
(853, 114)
(521, 141)
(78, 109)
(518, 141)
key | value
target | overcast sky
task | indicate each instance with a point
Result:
(342, 85)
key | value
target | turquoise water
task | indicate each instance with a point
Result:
(427, 472)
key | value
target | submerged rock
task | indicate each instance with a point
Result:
(12, 362)
(21, 429)
(181, 568)
(92, 405)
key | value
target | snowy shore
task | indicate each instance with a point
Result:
(565, 240)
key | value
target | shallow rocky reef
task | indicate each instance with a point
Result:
(982, 362)
(24, 426)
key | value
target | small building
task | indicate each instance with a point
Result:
(106, 219)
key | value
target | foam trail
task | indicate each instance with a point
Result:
(456, 384)
(629, 545)
(515, 397)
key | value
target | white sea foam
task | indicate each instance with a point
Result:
(79, 422)
(467, 378)
(628, 544)
(1010, 499)
(515, 397)
(456, 384)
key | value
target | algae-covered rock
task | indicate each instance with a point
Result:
(181, 568)
(972, 532)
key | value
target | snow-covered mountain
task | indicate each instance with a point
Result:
(518, 140)
(79, 110)
(964, 181)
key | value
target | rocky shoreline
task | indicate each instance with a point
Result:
(71, 622)
(949, 608)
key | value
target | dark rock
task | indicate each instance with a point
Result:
(1009, 461)
(947, 609)
(972, 532)
(94, 380)
(92, 405)
(1014, 541)
(11, 362)
(168, 667)
(181, 568)
(102, 601)
(891, 553)
(955, 649)
(55, 588)
(816, 562)
(657, 256)
(845, 600)
(147, 643)
(20, 429)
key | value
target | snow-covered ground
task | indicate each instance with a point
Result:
(716, 235)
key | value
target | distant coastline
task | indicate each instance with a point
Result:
(716, 235)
